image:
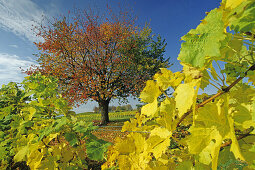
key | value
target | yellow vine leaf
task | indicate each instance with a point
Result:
(233, 3)
(124, 162)
(161, 132)
(140, 161)
(234, 146)
(50, 137)
(129, 125)
(167, 106)
(139, 142)
(158, 141)
(200, 138)
(184, 95)
(156, 145)
(164, 159)
(251, 79)
(205, 155)
(205, 80)
(242, 115)
(32, 111)
(178, 78)
(22, 153)
(111, 159)
(67, 154)
(49, 163)
(164, 78)
(167, 110)
(215, 152)
(150, 109)
(126, 146)
(34, 159)
(132, 152)
(150, 92)
(253, 110)
(213, 123)
(55, 150)
(210, 126)
(248, 149)
(161, 148)
(185, 165)
(191, 73)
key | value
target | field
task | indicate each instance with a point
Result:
(112, 129)
(113, 116)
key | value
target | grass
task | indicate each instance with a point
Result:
(109, 132)
(113, 116)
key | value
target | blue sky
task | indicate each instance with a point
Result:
(170, 18)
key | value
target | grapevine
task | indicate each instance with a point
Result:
(217, 132)
(38, 130)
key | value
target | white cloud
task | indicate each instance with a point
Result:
(14, 46)
(19, 16)
(10, 68)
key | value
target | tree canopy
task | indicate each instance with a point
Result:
(99, 57)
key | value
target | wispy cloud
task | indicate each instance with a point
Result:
(14, 46)
(19, 16)
(10, 67)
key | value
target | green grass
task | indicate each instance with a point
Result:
(113, 116)
(86, 113)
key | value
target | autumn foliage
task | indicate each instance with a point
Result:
(98, 58)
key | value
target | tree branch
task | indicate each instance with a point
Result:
(247, 133)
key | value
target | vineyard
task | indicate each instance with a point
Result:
(113, 116)
(182, 130)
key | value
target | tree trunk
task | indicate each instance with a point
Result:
(103, 109)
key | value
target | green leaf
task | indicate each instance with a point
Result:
(4, 152)
(71, 138)
(247, 146)
(185, 165)
(45, 132)
(48, 163)
(244, 18)
(58, 125)
(33, 85)
(204, 41)
(96, 149)
(84, 127)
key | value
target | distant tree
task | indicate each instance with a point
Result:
(99, 57)
(128, 107)
(118, 109)
(96, 109)
(113, 108)
(138, 107)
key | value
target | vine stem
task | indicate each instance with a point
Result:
(224, 90)
(248, 131)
